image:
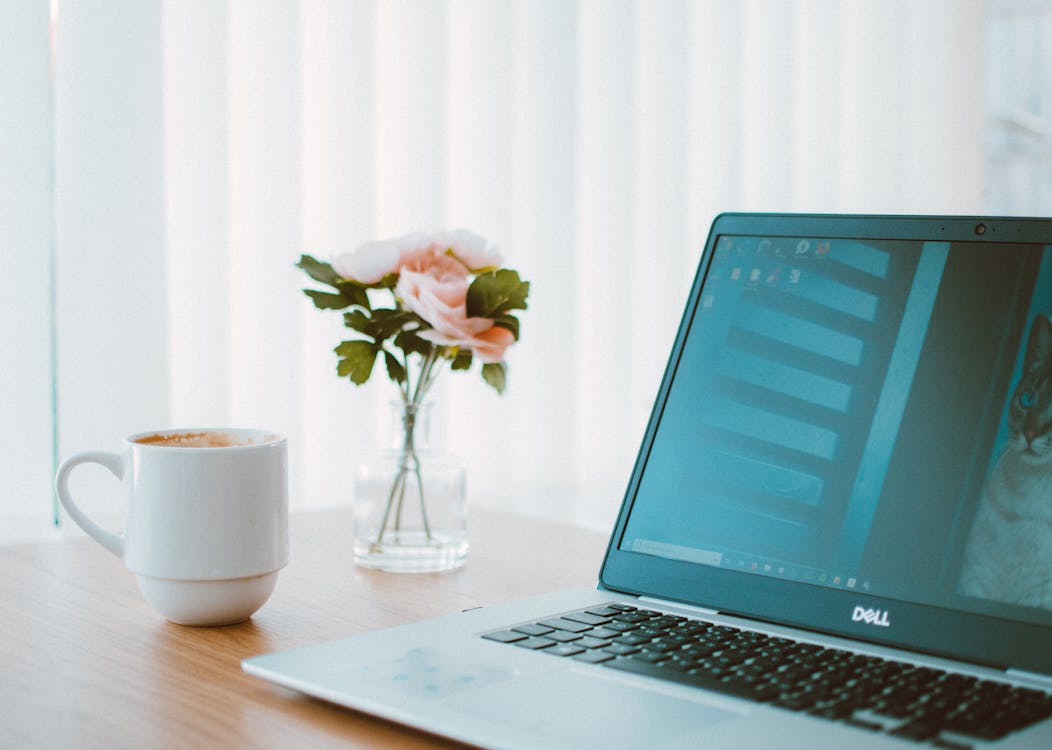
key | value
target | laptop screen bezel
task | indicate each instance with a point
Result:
(977, 638)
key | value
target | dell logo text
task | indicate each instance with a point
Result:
(871, 616)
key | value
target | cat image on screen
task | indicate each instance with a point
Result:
(1009, 554)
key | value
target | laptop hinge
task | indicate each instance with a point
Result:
(678, 605)
(1036, 679)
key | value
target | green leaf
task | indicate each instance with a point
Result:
(348, 292)
(462, 361)
(319, 270)
(328, 300)
(389, 322)
(410, 343)
(493, 294)
(496, 374)
(358, 321)
(355, 292)
(357, 359)
(381, 324)
(508, 321)
(395, 370)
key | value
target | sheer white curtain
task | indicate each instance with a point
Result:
(202, 145)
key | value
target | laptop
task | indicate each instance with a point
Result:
(837, 532)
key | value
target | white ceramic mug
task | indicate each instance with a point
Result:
(207, 519)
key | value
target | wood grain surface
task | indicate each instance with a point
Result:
(87, 663)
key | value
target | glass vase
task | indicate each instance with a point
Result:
(409, 507)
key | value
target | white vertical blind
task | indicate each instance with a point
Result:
(872, 73)
(536, 443)
(944, 85)
(663, 254)
(767, 102)
(26, 231)
(1019, 94)
(266, 383)
(818, 97)
(110, 276)
(202, 145)
(603, 304)
(197, 149)
(715, 111)
(478, 103)
(338, 137)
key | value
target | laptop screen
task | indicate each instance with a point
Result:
(866, 415)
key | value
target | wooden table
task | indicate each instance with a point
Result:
(86, 663)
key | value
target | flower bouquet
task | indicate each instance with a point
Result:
(422, 303)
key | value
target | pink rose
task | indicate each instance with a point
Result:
(440, 298)
(432, 260)
(489, 345)
(434, 272)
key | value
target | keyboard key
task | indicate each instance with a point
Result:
(536, 644)
(647, 632)
(678, 663)
(699, 649)
(532, 629)
(663, 646)
(588, 619)
(631, 639)
(564, 624)
(621, 627)
(602, 611)
(594, 657)
(633, 617)
(564, 649)
(620, 649)
(562, 636)
(650, 655)
(504, 636)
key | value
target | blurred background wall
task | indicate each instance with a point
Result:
(164, 162)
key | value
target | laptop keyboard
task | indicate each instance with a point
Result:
(923, 704)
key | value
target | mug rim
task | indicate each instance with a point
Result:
(269, 438)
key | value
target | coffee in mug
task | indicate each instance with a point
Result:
(197, 439)
(207, 519)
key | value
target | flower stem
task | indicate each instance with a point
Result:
(408, 460)
(398, 482)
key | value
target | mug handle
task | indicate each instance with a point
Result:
(112, 461)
